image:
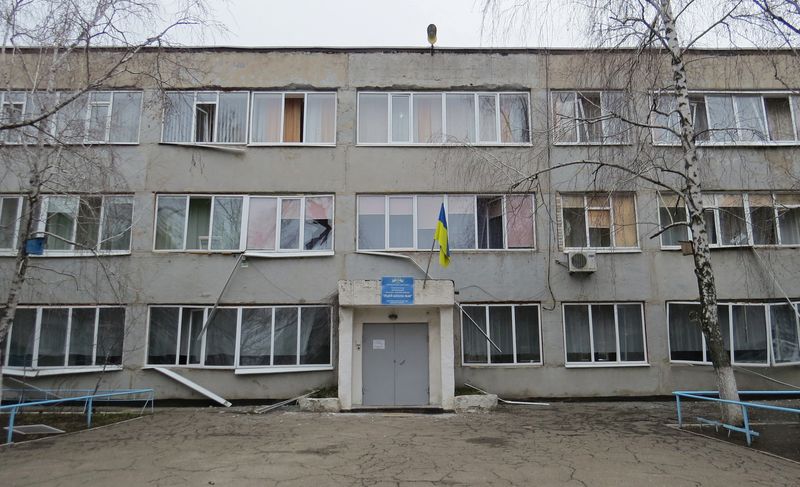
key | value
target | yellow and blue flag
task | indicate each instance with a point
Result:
(441, 236)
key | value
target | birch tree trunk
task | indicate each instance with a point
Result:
(709, 316)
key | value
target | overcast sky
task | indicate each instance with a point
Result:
(370, 23)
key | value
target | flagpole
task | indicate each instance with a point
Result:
(430, 258)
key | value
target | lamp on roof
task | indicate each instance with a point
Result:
(431, 36)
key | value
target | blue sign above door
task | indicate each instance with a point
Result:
(397, 290)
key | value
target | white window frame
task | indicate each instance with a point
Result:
(425, 247)
(283, 95)
(613, 248)
(577, 119)
(240, 369)
(193, 129)
(16, 133)
(65, 368)
(476, 97)
(748, 223)
(730, 304)
(593, 363)
(793, 102)
(15, 238)
(298, 252)
(42, 225)
(515, 364)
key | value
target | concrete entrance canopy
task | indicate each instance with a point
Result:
(360, 302)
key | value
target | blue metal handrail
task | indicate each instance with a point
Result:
(748, 432)
(88, 400)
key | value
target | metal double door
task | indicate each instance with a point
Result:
(395, 364)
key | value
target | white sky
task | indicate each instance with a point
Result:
(367, 23)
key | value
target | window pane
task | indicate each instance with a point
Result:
(599, 228)
(178, 112)
(590, 125)
(162, 341)
(371, 222)
(117, 221)
(697, 105)
(461, 222)
(711, 226)
(733, 227)
(170, 221)
(110, 336)
(487, 113)
(564, 117)
(428, 208)
(266, 123)
(752, 125)
(631, 337)
(192, 322)
(749, 334)
(261, 224)
(232, 118)
(53, 339)
(72, 119)
(670, 215)
(290, 224)
(81, 336)
(624, 220)
(98, 120)
(502, 334)
(614, 110)
(685, 335)
(315, 335)
(490, 222)
(401, 120)
(514, 119)
(373, 118)
(789, 222)
(605, 341)
(519, 212)
(293, 118)
(256, 340)
(205, 119)
(667, 117)
(20, 353)
(576, 332)
(724, 324)
(88, 226)
(475, 344)
(785, 333)
(779, 118)
(321, 121)
(762, 219)
(197, 229)
(526, 322)
(428, 118)
(125, 115)
(319, 223)
(401, 222)
(285, 336)
(8, 222)
(574, 215)
(460, 110)
(722, 121)
(221, 337)
(227, 231)
(61, 214)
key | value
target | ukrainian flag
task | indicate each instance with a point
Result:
(441, 236)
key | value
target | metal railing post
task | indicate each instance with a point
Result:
(746, 425)
(680, 416)
(89, 412)
(10, 437)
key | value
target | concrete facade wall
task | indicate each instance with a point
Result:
(651, 276)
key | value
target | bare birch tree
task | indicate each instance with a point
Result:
(646, 46)
(52, 73)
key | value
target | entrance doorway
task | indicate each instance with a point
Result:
(395, 364)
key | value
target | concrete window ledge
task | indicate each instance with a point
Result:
(319, 405)
(474, 403)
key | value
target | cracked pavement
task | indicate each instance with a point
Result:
(591, 444)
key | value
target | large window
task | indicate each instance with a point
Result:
(95, 117)
(10, 214)
(240, 337)
(750, 327)
(514, 328)
(736, 219)
(443, 118)
(604, 334)
(233, 223)
(66, 337)
(86, 224)
(589, 117)
(732, 118)
(293, 118)
(599, 220)
(475, 222)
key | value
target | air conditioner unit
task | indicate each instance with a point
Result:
(582, 261)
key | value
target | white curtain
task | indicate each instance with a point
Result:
(460, 111)
(321, 118)
(373, 118)
(232, 118)
(178, 113)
